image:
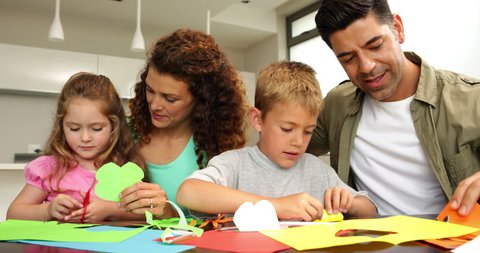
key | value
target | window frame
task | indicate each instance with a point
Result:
(306, 35)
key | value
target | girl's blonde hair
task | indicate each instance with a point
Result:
(286, 81)
(121, 147)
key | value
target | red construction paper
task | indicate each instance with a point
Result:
(235, 241)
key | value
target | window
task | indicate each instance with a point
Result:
(305, 45)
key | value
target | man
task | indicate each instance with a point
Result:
(406, 133)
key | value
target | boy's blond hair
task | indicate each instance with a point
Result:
(288, 82)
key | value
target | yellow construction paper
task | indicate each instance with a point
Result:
(404, 229)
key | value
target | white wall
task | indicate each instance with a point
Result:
(446, 33)
(261, 55)
(249, 80)
(24, 120)
(235, 57)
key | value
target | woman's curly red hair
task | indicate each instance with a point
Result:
(218, 114)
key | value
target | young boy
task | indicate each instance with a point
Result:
(287, 102)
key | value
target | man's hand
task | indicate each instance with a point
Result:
(466, 194)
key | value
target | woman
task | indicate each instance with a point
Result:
(188, 107)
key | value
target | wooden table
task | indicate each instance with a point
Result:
(372, 247)
(410, 247)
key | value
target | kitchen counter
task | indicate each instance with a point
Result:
(12, 166)
(12, 181)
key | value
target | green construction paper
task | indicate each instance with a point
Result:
(163, 223)
(113, 179)
(60, 232)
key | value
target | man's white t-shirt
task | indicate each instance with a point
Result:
(389, 163)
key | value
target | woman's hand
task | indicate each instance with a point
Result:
(146, 196)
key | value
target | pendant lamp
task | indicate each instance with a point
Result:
(56, 30)
(138, 43)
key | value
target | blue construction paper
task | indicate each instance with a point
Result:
(142, 242)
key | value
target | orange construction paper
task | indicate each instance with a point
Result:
(450, 215)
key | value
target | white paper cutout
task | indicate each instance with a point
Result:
(261, 216)
(183, 220)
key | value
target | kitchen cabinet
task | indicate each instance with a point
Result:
(46, 70)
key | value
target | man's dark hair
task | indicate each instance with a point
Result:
(335, 15)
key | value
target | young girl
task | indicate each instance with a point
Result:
(90, 130)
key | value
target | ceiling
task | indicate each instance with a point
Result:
(107, 26)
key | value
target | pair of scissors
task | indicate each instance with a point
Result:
(86, 201)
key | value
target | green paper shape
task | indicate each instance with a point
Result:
(60, 232)
(164, 223)
(113, 179)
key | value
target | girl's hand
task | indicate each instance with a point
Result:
(337, 200)
(62, 206)
(97, 210)
(146, 196)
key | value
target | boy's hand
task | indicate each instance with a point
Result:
(300, 206)
(338, 200)
(97, 210)
(62, 205)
